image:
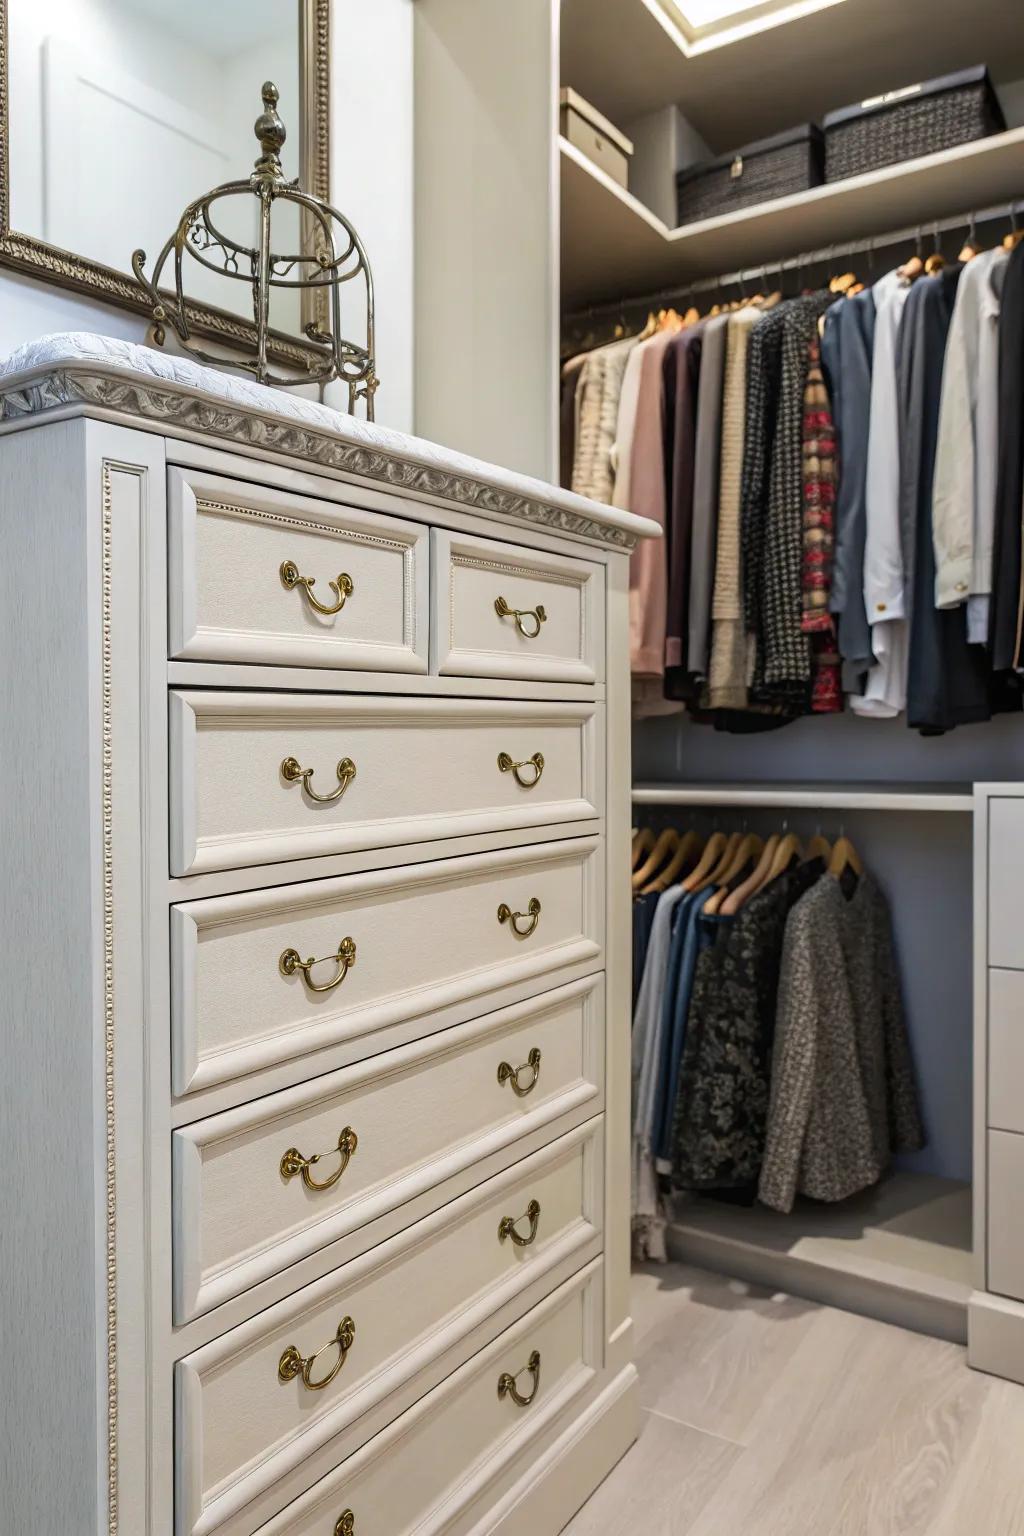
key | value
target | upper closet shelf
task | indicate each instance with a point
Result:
(612, 246)
(846, 797)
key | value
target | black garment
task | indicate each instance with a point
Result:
(1004, 618)
(643, 917)
(764, 376)
(949, 681)
(725, 1076)
(681, 380)
(847, 350)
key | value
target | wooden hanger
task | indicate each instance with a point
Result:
(689, 851)
(748, 853)
(971, 246)
(818, 848)
(844, 856)
(787, 851)
(643, 842)
(742, 894)
(663, 849)
(843, 283)
(714, 876)
(714, 849)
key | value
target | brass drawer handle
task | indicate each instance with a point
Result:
(506, 915)
(510, 1074)
(346, 1524)
(291, 961)
(507, 1226)
(294, 1163)
(293, 771)
(342, 588)
(292, 1364)
(508, 765)
(528, 620)
(507, 1382)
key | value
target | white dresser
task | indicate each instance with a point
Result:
(315, 1095)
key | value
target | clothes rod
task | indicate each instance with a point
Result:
(932, 228)
(814, 797)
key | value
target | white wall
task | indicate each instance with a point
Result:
(487, 229)
(372, 175)
(371, 182)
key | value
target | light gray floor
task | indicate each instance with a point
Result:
(766, 1416)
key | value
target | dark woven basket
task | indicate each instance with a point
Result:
(776, 167)
(956, 109)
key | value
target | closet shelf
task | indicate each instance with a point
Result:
(900, 1252)
(613, 246)
(844, 797)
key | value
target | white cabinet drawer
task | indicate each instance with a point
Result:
(1006, 1050)
(426, 1468)
(250, 569)
(244, 996)
(502, 611)
(247, 770)
(1006, 1214)
(385, 1130)
(254, 1404)
(1006, 862)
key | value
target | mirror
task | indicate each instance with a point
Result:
(119, 112)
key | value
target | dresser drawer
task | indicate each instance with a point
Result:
(245, 997)
(250, 573)
(428, 1467)
(261, 777)
(1006, 1050)
(385, 1130)
(1006, 1214)
(254, 1404)
(502, 611)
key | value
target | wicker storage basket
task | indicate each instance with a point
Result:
(771, 168)
(918, 120)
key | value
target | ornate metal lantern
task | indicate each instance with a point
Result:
(333, 256)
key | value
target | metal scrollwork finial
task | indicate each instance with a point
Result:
(331, 255)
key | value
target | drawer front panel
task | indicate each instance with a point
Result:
(241, 1002)
(1006, 1050)
(426, 1468)
(250, 569)
(1006, 1214)
(257, 778)
(415, 1116)
(248, 1415)
(1006, 859)
(502, 611)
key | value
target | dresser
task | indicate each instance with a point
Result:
(315, 1102)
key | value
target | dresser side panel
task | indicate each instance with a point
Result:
(52, 1259)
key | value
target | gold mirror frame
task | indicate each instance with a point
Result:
(67, 269)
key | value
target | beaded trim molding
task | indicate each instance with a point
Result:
(251, 428)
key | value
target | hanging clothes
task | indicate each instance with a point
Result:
(597, 409)
(949, 681)
(571, 372)
(681, 380)
(843, 1096)
(1005, 614)
(964, 492)
(706, 485)
(648, 567)
(847, 354)
(885, 581)
(819, 503)
(722, 1082)
(783, 670)
(728, 667)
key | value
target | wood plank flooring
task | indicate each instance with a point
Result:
(766, 1416)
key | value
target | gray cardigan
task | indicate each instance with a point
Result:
(843, 1096)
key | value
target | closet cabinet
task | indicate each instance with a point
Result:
(316, 812)
(997, 1308)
